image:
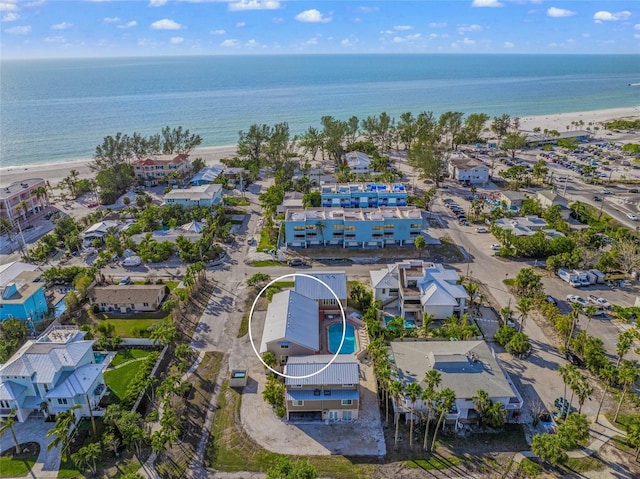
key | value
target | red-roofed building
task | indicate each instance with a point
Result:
(152, 170)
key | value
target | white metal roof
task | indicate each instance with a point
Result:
(79, 382)
(336, 280)
(291, 317)
(344, 370)
(9, 271)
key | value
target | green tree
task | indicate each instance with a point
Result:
(528, 283)
(6, 424)
(623, 345)
(396, 389)
(87, 455)
(628, 376)
(420, 243)
(573, 431)
(481, 403)
(633, 434)
(548, 448)
(513, 142)
(500, 126)
(540, 170)
(197, 164)
(61, 431)
(285, 468)
(608, 374)
(567, 372)
(270, 359)
(495, 415)
(432, 378)
(414, 391)
(473, 127)
(426, 157)
(519, 344)
(446, 400)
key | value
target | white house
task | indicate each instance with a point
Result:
(204, 195)
(522, 225)
(417, 287)
(291, 326)
(310, 288)
(358, 162)
(465, 367)
(128, 298)
(98, 231)
(548, 198)
(52, 373)
(463, 168)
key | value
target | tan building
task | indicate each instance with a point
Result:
(330, 395)
(548, 199)
(513, 199)
(12, 196)
(128, 298)
(153, 170)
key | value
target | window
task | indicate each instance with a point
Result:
(62, 401)
(389, 226)
(284, 345)
(298, 403)
(347, 385)
(298, 228)
(416, 225)
(311, 227)
(377, 228)
(350, 228)
(346, 402)
(338, 227)
(5, 404)
(145, 304)
(384, 291)
(347, 415)
(46, 388)
(327, 392)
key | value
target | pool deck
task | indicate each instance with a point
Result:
(324, 335)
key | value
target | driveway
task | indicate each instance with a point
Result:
(35, 430)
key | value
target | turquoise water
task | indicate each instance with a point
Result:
(55, 110)
(60, 307)
(408, 323)
(335, 335)
(99, 357)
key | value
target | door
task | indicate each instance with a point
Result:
(333, 415)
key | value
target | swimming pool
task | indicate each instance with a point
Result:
(408, 323)
(60, 307)
(99, 357)
(335, 335)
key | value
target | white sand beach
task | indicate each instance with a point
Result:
(55, 172)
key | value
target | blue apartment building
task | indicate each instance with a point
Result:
(361, 195)
(352, 227)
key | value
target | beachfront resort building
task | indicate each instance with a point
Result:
(463, 168)
(358, 162)
(465, 367)
(152, 170)
(415, 287)
(330, 395)
(203, 196)
(29, 193)
(128, 298)
(52, 374)
(360, 195)
(352, 227)
(23, 295)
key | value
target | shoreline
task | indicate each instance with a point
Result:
(55, 172)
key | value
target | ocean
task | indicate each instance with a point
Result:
(58, 110)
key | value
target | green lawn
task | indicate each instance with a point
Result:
(20, 465)
(267, 262)
(118, 379)
(68, 470)
(132, 328)
(125, 355)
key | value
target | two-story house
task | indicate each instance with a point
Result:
(416, 287)
(465, 367)
(51, 374)
(358, 162)
(465, 169)
(314, 393)
(23, 296)
(310, 288)
(152, 170)
(206, 195)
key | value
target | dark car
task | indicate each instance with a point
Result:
(574, 359)
(597, 198)
(296, 262)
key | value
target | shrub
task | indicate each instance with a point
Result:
(504, 335)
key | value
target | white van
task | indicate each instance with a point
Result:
(132, 261)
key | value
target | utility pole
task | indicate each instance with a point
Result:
(604, 197)
(566, 180)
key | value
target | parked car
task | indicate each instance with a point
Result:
(599, 301)
(632, 217)
(482, 229)
(597, 198)
(606, 192)
(296, 262)
(125, 280)
(496, 246)
(634, 190)
(572, 298)
(574, 359)
(552, 300)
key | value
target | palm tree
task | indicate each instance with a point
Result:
(433, 378)
(523, 306)
(628, 375)
(5, 227)
(583, 391)
(576, 308)
(481, 403)
(23, 207)
(383, 373)
(41, 192)
(608, 374)
(590, 311)
(320, 226)
(61, 431)
(625, 341)
(414, 390)
(472, 290)
(396, 389)
(495, 414)
(7, 424)
(446, 400)
(567, 372)
(633, 434)
(420, 243)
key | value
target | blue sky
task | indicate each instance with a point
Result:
(60, 28)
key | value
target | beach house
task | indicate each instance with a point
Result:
(548, 198)
(206, 175)
(329, 395)
(415, 287)
(152, 170)
(465, 169)
(206, 195)
(52, 374)
(23, 295)
(358, 162)
(310, 288)
(99, 231)
(465, 367)
(353, 227)
(291, 326)
(512, 199)
(128, 298)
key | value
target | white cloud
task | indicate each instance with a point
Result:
(347, 42)
(367, 9)
(61, 26)
(130, 24)
(111, 20)
(241, 24)
(637, 26)
(254, 5)
(486, 3)
(230, 42)
(386, 32)
(401, 28)
(433, 35)
(166, 24)
(217, 32)
(37, 3)
(398, 40)
(508, 45)
(177, 40)
(559, 12)
(252, 44)
(8, 7)
(19, 30)
(462, 29)
(157, 3)
(278, 20)
(312, 16)
(10, 17)
(311, 41)
(438, 25)
(636, 36)
(55, 39)
(468, 41)
(604, 16)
